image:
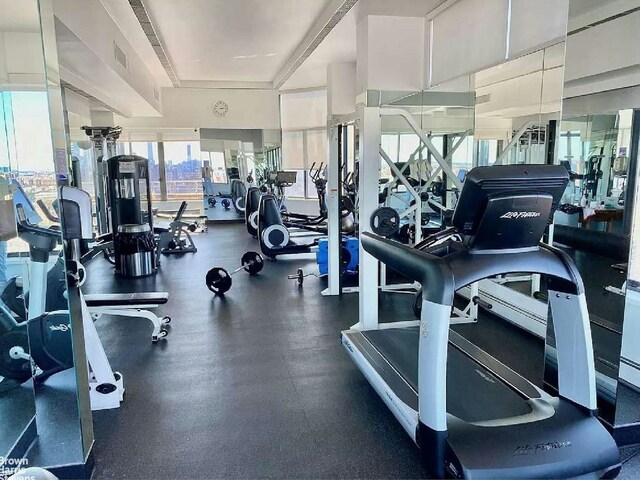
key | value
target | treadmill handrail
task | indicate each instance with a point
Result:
(442, 276)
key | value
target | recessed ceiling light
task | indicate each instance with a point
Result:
(196, 59)
(252, 56)
(240, 57)
(270, 54)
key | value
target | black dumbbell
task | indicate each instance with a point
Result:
(219, 280)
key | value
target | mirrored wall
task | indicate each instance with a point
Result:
(231, 160)
(598, 145)
(38, 390)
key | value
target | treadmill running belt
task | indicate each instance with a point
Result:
(474, 394)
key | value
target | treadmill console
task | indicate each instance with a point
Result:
(508, 207)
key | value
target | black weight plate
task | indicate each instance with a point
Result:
(218, 280)
(252, 262)
(438, 189)
(211, 202)
(385, 221)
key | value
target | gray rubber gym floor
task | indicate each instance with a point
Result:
(253, 385)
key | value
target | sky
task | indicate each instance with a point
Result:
(31, 132)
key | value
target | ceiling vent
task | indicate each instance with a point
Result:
(145, 22)
(483, 99)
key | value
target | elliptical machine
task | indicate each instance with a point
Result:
(252, 203)
(273, 235)
(238, 195)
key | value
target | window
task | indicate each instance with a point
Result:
(84, 153)
(304, 137)
(311, 186)
(462, 158)
(409, 144)
(300, 150)
(297, 189)
(29, 150)
(293, 150)
(487, 152)
(183, 170)
(316, 147)
(148, 150)
(390, 144)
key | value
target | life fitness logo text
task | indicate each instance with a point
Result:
(517, 215)
(60, 328)
(540, 447)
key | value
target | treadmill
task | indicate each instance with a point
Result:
(470, 415)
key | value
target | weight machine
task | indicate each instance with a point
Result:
(368, 120)
(104, 141)
(172, 241)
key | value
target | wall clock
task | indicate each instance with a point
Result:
(220, 109)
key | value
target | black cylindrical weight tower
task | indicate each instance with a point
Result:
(129, 199)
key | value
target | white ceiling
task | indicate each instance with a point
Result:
(338, 46)
(82, 68)
(224, 40)
(19, 16)
(121, 13)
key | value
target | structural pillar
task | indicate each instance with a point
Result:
(341, 100)
(369, 174)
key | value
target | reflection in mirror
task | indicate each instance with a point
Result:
(425, 149)
(34, 266)
(17, 403)
(595, 150)
(232, 161)
(598, 145)
(518, 105)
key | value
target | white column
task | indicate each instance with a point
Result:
(333, 207)
(341, 100)
(369, 174)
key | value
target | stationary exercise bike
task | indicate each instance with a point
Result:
(46, 333)
(42, 343)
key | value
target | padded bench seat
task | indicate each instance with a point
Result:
(126, 299)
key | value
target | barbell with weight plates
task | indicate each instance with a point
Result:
(218, 279)
(385, 221)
